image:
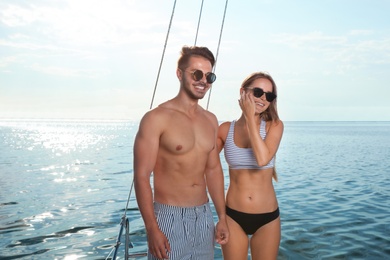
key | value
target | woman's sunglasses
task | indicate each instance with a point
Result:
(258, 92)
(198, 75)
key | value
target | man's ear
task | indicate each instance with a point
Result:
(179, 74)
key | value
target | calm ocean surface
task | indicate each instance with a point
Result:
(64, 187)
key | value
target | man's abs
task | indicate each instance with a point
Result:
(181, 191)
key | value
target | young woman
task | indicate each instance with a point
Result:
(250, 144)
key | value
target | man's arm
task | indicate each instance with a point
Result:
(146, 147)
(215, 184)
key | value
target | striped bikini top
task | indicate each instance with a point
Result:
(243, 158)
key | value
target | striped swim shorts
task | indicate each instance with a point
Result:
(190, 231)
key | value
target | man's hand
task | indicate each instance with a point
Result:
(158, 244)
(221, 232)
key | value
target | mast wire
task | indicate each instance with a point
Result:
(219, 43)
(162, 57)
(197, 28)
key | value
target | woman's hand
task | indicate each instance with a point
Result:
(247, 104)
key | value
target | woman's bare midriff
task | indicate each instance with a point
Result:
(251, 191)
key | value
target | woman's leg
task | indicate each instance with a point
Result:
(265, 241)
(237, 246)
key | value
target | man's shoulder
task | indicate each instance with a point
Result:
(153, 118)
(210, 115)
(161, 117)
(159, 111)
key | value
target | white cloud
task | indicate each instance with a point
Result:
(348, 52)
(70, 72)
(6, 61)
(309, 41)
(360, 32)
(84, 22)
(14, 15)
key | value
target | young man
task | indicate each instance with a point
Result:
(177, 142)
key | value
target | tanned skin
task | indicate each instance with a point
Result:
(177, 142)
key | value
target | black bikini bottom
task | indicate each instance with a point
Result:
(249, 222)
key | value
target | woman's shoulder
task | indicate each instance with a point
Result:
(275, 124)
(225, 125)
(223, 129)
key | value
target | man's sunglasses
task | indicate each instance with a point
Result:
(258, 92)
(198, 75)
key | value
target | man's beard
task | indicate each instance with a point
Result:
(190, 93)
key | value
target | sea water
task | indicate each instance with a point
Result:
(64, 187)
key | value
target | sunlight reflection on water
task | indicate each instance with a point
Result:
(64, 186)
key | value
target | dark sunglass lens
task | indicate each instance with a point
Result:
(270, 97)
(258, 92)
(210, 77)
(198, 75)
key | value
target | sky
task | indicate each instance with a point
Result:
(99, 60)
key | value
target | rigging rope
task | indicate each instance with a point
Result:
(197, 28)
(124, 221)
(162, 57)
(216, 56)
